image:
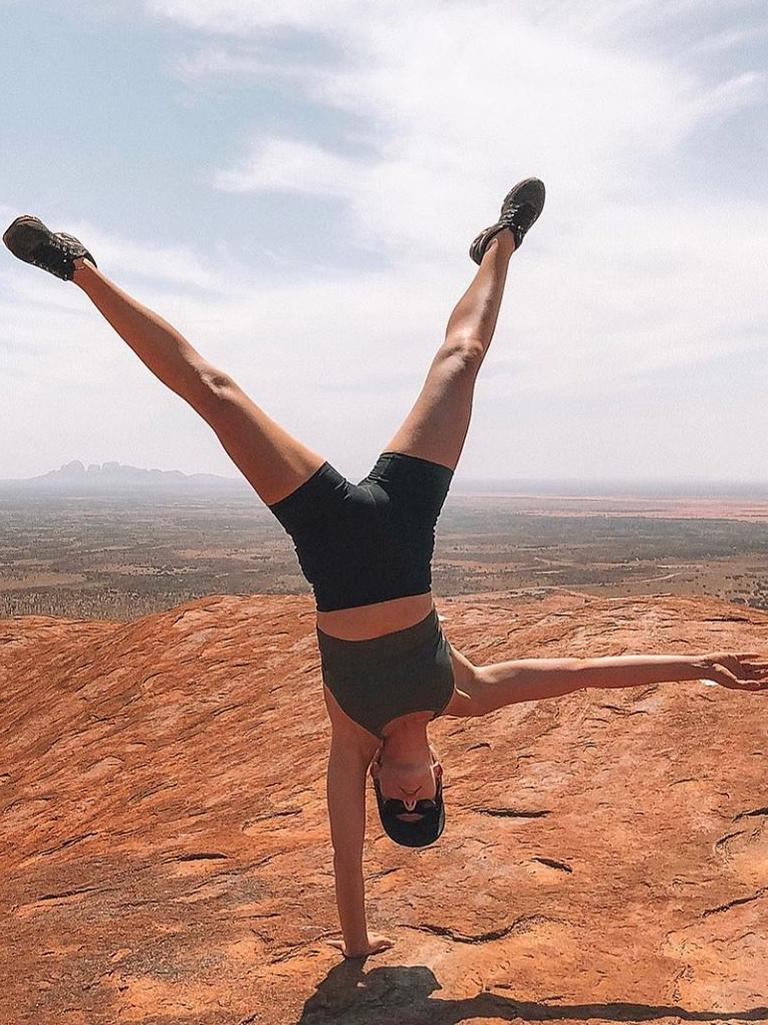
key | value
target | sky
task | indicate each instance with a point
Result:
(295, 187)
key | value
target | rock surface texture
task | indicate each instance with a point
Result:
(165, 853)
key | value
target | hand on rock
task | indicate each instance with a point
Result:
(737, 672)
(375, 945)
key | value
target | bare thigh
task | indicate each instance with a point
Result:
(436, 427)
(272, 460)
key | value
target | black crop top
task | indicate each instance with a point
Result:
(377, 680)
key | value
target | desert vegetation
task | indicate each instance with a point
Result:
(120, 557)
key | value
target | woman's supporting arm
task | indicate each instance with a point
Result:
(346, 809)
(347, 769)
(506, 683)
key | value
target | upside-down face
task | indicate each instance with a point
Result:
(408, 781)
(409, 795)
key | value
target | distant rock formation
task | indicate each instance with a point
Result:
(165, 853)
(75, 476)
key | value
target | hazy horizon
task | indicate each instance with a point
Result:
(296, 186)
(577, 486)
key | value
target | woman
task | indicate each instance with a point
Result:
(367, 548)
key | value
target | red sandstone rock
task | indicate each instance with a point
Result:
(165, 854)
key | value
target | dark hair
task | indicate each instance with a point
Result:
(411, 834)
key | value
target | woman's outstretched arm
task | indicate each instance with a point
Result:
(531, 679)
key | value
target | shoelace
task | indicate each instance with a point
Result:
(513, 211)
(510, 220)
(58, 255)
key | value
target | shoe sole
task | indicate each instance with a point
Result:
(25, 219)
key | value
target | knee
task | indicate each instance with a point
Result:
(215, 387)
(465, 353)
(213, 391)
(216, 381)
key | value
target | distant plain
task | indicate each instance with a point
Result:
(126, 554)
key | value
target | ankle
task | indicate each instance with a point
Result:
(503, 242)
(82, 268)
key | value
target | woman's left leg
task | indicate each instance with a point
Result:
(436, 427)
(272, 460)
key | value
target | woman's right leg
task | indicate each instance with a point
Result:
(273, 461)
(436, 427)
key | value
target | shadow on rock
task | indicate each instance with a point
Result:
(350, 996)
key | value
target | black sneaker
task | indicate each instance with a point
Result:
(519, 210)
(30, 240)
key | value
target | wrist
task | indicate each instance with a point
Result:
(356, 942)
(81, 269)
(357, 949)
(700, 665)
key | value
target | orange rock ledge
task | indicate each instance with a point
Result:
(165, 853)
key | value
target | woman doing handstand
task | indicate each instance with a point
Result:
(366, 549)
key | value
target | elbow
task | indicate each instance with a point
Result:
(347, 863)
(347, 853)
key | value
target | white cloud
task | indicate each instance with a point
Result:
(241, 17)
(733, 95)
(618, 270)
(247, 61)
(288, 166)
(626, 278)
(461, 99)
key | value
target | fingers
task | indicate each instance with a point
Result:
(749, 681)
(751, 672)
(751, 685)
(755, 660)
(753, 667)
(374, 947)
(758, 657)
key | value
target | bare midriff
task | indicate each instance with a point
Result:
(383, 617)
